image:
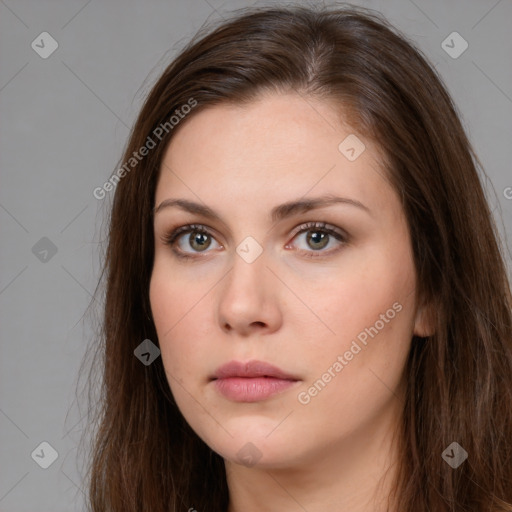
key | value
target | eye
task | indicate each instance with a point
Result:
(199, 239)
(319, 236)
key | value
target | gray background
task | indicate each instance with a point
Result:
(64, 122)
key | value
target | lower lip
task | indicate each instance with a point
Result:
(244, 389)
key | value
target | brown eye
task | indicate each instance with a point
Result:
(199, 241)
(317, 237)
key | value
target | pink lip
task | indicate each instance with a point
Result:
(252, 381)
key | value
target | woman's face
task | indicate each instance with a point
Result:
(326, 294)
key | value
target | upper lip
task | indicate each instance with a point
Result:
(251, 369)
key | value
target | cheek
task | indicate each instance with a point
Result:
(173, 297)
(178, 308)
(164, 304)
(177, 312)
(368, 308)
(181, 303)
(354, 299)
(358, 371)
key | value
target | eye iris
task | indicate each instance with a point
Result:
(317, 237)
(202, 239)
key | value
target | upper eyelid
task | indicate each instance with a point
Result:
(305, 226)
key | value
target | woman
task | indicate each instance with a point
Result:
(306, 303)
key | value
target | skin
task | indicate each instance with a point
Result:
(295, 312)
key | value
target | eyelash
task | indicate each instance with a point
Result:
(172, 238)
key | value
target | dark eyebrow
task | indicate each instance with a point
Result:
(305, 205)
(278, 213)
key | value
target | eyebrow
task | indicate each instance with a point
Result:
(278, 213)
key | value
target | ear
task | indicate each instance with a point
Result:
(424, 321)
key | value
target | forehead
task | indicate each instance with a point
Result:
(275, 148)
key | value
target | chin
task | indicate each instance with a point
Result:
(258, 451)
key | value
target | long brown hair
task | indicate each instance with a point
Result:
(145, 456)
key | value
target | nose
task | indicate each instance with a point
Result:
(249, 299)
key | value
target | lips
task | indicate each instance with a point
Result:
(251, 369)
(253, 381)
